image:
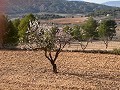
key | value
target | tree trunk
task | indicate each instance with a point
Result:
(54, 68)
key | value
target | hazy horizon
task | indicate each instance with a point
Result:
(95, 1)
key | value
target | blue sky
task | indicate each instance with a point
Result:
(96, 1)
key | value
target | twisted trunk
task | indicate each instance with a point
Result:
(54, 68)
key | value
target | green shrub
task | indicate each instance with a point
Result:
(24, 24)
(116, 51)
(11, 34)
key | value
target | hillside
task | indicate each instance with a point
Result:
(51, 6)
(113, 3)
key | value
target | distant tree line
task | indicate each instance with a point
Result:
(112, 12)
(49, 16)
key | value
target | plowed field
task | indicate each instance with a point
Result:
(29, 70)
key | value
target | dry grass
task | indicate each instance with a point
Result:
(28, 70)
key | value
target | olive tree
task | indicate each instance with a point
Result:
(79, 35)
(106, 30)
(89, 29)
(84, 33)
(51, 40)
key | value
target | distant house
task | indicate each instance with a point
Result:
(108, 15)
(3, 27)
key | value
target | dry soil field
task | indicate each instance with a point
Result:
(29, 70)
(95, 45)
(76, 20)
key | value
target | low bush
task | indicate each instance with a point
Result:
(116, 51)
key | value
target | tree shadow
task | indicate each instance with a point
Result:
(89, 75)
(101, 81)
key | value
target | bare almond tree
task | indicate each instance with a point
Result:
(51, 40)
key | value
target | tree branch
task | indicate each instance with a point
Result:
(50, 55)
(47, 55)
(84, 46)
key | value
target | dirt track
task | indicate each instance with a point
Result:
(28, 70)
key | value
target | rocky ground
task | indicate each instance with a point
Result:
(29, 70)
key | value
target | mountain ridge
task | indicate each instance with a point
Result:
(112, 3)
(51, 6)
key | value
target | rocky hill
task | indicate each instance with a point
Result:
(51, 6)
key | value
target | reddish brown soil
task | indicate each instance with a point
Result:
(28, 70)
